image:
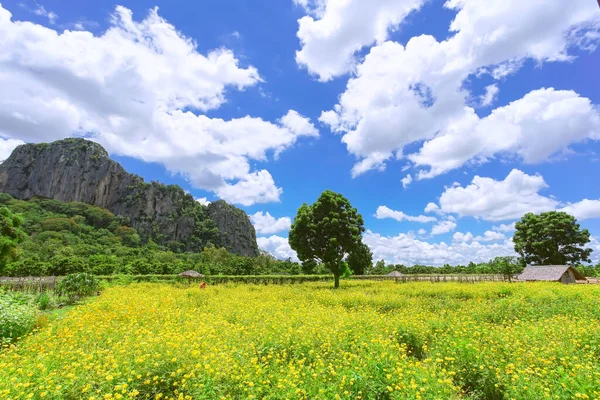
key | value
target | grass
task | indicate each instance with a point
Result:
(368, 340)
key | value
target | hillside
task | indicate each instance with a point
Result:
(78, 170)
(65, 238)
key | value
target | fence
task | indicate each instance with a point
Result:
(45, 283)
(33, 284)
(466, 278)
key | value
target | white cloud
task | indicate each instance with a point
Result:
(504, 227)
(490, 236)
(133, 89)
(203, 200)
(443, 227)
(255, 187)
(406, 181)
(406, 249)
(265, 223)
(41, 11)
(422, 231)
(7, 146)
(277, 246)
(432, 208)
(385, 212)
(462, 237)
(494, 200)
(534, 128)
(336, 29)
(584, 209)
(491, 92)
(406, 94)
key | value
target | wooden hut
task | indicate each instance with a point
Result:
(191, 275)
(551, 273)
(395, 274)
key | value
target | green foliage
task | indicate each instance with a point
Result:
(65, 238)
(360, 259)
(11, 235)
(327, 231)
(77, 286)
(551, 238)
(18, 316)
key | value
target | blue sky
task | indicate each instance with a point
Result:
(267, 104)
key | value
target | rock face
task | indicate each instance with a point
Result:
(240, 231)
(80, 170)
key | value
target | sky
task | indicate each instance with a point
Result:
(443, 122)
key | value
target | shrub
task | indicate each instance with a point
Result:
(17, 317)
(77, 286)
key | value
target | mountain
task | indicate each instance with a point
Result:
(78, 170)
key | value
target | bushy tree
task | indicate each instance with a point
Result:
(360, 259)
(327, 231)
(551, 238)
(11, 235)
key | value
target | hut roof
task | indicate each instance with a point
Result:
(191, 274)
(547, 273)
(395, 273)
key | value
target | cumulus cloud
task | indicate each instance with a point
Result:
(462, 237)
(443, 227)
(494, 200)
(508, 199)
(432, 208)
(265, 223)
(140, 90)
(534, 128)
(406, 249)
(335, 30)
(277, 246)
(504, 227)
(584, 209)
(385, 212)
(409, 94)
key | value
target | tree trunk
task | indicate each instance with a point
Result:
(336, 280)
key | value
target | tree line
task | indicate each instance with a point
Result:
(41, 237)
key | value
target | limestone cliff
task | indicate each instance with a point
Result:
(80, 170)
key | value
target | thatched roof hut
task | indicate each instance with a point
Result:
(395, 274)
(191, 274)
(552, 273)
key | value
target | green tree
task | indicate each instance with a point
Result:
(551, 238)
(360, 259)
(507, 266)
(327, 231)
(11, 235)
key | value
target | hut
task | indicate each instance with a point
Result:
(395, 274)
(191, 275)
(551, 273)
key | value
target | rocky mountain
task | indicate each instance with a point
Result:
(78, 170)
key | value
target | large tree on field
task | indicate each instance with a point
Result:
(551, 238)
(360, 259)
(11, 235)
(327, 231)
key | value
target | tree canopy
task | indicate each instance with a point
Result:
(360, 259)
(11, 235)
(327, 231)
(551, 238)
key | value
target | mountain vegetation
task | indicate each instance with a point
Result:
(78, 170)
(62, 238)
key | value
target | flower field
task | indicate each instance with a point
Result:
(368, 340)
